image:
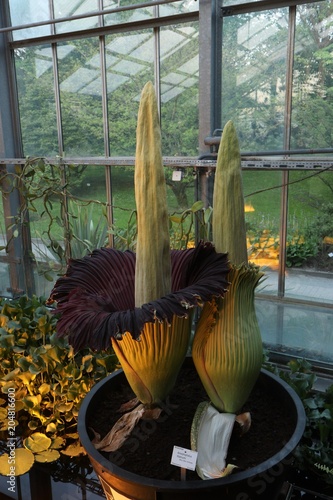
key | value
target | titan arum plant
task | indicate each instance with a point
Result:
(227, 347)
(141, 303)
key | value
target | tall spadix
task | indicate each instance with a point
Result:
(152, 364)
(153, 267)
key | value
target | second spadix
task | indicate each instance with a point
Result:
(227, 347)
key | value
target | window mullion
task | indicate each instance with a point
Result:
(287, 129)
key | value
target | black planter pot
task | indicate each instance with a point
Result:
(261, 482)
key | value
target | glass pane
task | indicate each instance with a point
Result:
(35, 82)
(254, 53)
(130, 64)
(123, 204)
(87, 223)
(179, 7)
(179, 89)
(227, 3)
(289, 329)
(125, 16)
(68, 8)
(86, 208)
(312, 114)
(5, 285)
(29, 11)
(310, 237)
(5, 288)
(262, 213)
(139, 14)
(180, 197)
(81, 98)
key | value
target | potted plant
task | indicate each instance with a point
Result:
(142, 305)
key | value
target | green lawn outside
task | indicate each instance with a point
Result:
(261, 189)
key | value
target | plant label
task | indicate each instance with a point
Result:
(184, 458)
(177, 175)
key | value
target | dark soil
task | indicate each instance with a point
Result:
(148, 450)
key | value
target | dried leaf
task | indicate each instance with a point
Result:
(120, 431)
(244, 420)
(129, 405)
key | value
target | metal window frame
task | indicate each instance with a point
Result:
(257, 160)
(99, 13)
(52, 40)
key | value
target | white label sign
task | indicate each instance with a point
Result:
(182, 457)
(177, 175)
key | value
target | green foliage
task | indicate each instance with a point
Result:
(125, 239)
(315, 450)
(86, 234)
(326, 469)
(322, 224)
(49, 380)
(182, 226)
(308, 243)
(316, 446)
(262, 241)
(66, 225)
(299, 250)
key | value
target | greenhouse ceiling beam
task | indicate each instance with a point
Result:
(107, 30)
(261, 6)
(209, 162)
(86, 15)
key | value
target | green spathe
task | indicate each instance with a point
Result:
(152, 364)
(227, 347)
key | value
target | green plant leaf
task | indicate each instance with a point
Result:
(3, 413)
(7, 341)
(7, 386)
(64, 407)
(11, 375)
(24, 460)
(18, 350)
(176, 219)
(33, 425)
(44, 389)
(32, 401)
(35, 370)
(37, 442)
(57, 443)
(23, 363)
(26, 377)
(47, 456)
(74, 450)
(6, 364)
(87, 363)
(19, 405)
(198, 205)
